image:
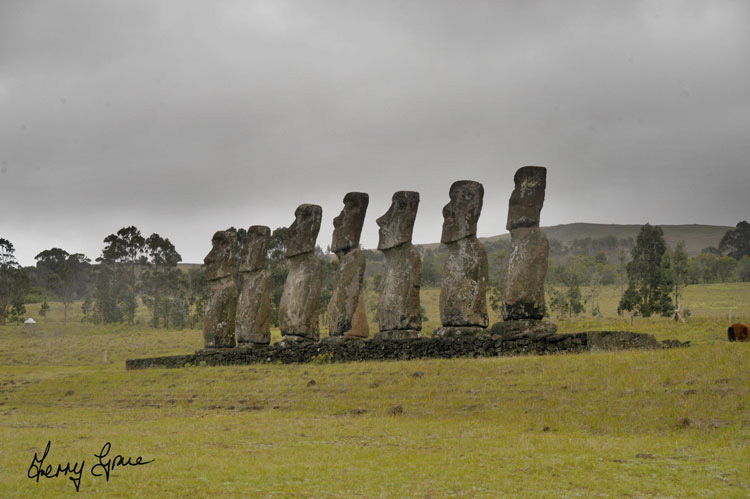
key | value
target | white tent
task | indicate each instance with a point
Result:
(29, 321)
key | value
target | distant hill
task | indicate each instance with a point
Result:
(696, 236)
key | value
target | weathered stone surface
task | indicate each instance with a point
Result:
(397, 225)
(461, 214)
(304, 230)
(623, 340)
(527, 198)
(523, 290)
(219, 314)
(524, 326)
(347, 227)
(360, 327)
(463, 289)
(347, 290)
(253, 324)
(399, 307)
(396, 334)
(346, 297)
(298, 309)
(220, 260)
(253, 256)
(339, 349)
(457, 331)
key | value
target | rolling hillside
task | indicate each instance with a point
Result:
(696, 236)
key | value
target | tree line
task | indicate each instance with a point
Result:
(135, 270)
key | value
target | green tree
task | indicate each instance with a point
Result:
(431, 273)
(63, 274)
(163, 286)
(14, 282)
(197, 293)
(736, 242)
(115, 290)
(679, 269)
(648, 272)
(568, 300)
(743, 269)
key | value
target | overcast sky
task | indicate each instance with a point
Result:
(186, 117)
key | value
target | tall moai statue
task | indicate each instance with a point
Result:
(523, 289)
(463, 290)
(219, 314)
(298, 310)
(253, 326)
(399, 313)
(346, 310)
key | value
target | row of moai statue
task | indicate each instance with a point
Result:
(241, 316)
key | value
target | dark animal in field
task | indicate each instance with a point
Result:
(738, 332)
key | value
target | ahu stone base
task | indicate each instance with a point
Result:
(481, 345)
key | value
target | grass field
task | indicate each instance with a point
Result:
(647, 423)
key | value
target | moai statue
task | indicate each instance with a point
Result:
(218, 317)
(523, 289)
(298, 310)
(463, 291)
(253, 325)
(399, 314)
(346, 310)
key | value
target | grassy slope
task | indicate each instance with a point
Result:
(671, 422)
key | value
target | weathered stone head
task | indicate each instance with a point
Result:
(397, 225)
(347, 227)
(253, 255)
(220, 260)
(304, 230)
(527, 198)
(461, 214)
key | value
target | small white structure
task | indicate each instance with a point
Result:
(29, 321)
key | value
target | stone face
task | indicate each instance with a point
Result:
(347, 227)
(220, 260)
(397, 225)
(461, 214)
(347, 291)
(523, 290)
(304, 230)
(298, 310)
(463, 290)
(398, 308)
(219, 314)
(253, 323)
(527, 198)
(253, 256)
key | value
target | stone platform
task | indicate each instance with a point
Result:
(484, 345)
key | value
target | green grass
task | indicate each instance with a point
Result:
(646, 423)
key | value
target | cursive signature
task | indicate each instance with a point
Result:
(104, 466)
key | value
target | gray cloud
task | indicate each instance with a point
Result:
(185, 117)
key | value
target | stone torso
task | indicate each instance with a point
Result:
(298, 310)
(464, 285)
(219, 314)
(346, 293)
(399, 307)
(254, 307)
